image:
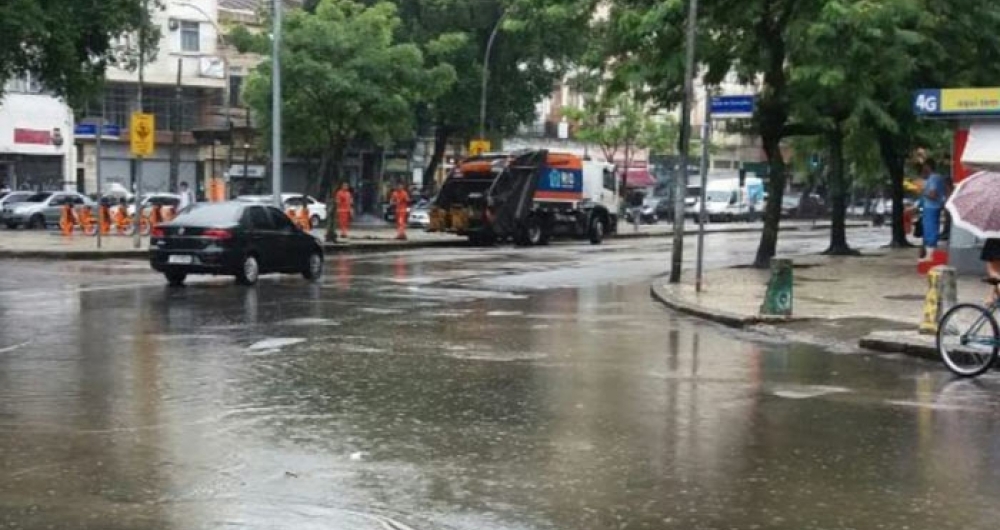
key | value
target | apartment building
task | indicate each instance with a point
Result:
(186, 82)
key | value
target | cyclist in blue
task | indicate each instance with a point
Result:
(932, 199)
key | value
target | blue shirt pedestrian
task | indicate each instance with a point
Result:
(934, 192)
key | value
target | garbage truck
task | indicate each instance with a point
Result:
(528, 197)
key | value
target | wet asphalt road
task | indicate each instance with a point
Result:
(464, 389)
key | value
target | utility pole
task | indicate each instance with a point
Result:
(276, 103)
(706, 135)
(175, 147)
(137, 237)
(100, 180)
(680, 184)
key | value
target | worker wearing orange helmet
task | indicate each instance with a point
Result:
(345, 204)
(401, 199)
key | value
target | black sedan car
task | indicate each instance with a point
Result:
(239, 239)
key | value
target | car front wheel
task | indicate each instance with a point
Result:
(314, 267)
(37, 222)
(249, 271)
(175, 279)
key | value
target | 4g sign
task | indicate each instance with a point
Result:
(957, 102)
(927, 102)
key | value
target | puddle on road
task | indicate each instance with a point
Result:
(306, 321)
(807, 391)
(275, 343)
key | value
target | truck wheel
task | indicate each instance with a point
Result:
(596, 231)
(482, 240)
(530, 234)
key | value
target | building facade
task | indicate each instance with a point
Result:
(184, 88)
(37, 151)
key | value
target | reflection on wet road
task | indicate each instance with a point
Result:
(447, 391)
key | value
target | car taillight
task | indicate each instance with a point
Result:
(218, 234)
(157, 231)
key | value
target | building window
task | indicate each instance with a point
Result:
(190, 36)
(235, 90)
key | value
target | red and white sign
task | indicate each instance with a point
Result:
(32, 136)
(958, 169)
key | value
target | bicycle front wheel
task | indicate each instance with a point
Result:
(968, 339)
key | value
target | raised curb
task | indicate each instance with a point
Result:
(732, 320)
(907, 343)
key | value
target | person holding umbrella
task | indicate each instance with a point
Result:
(975, 207)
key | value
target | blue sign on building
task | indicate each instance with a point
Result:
(733, 106)
(90, 129)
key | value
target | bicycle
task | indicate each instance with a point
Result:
(967, 348)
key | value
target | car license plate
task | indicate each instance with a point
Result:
(179, 259)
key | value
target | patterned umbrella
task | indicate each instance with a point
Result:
(975, 205)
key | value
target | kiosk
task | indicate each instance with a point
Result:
(975, 113)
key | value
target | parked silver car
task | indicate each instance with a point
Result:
(12, 198)
(41, 209)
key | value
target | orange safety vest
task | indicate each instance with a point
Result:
(401, 198)
(344, 201)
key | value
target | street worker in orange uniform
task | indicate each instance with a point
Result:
(345, 204)
(401, 199)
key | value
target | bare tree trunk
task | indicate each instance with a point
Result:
(838, 195)
(441, 136)
(895, 165)
(775, 192)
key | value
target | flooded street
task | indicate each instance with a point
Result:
(464, 389)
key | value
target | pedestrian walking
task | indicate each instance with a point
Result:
(187, 197)
(345, 205)
(635, 204)
(401, 200)
(933, 200)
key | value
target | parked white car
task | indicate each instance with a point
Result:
(317, 210)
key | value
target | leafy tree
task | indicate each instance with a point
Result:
(753, 39)
(536, 41)
(617, 123)
(67, 43)
(350, 80)
(953, 49)
(835, 92)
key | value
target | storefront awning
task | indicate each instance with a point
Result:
(983, 148)
(639, 178)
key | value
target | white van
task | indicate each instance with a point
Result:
(726, 201)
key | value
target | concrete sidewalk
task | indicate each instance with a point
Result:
(880, 289)
(51, 245)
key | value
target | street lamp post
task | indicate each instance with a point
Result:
(486, 75)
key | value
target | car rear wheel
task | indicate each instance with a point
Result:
(175, 279)
(314, 222)
(249, 271)
(314, 267)
(37, 222)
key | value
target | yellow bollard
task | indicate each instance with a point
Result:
(941, 296)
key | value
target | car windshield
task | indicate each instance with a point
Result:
(210, 214)
(38, 197)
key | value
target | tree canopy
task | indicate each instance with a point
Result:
(68, 44)
(347, 78)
